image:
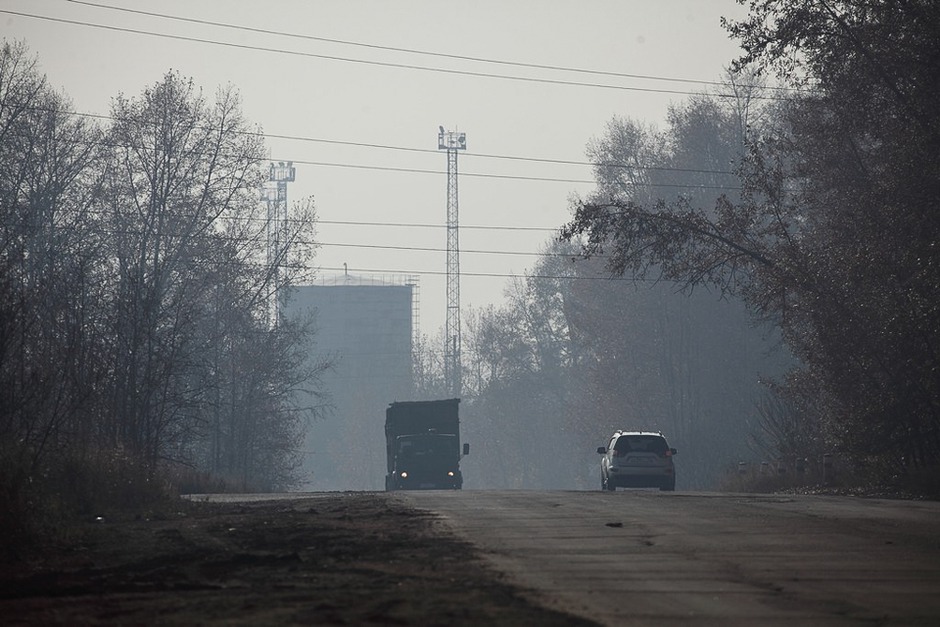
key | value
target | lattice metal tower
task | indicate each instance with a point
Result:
(452, 141)
(275, 194)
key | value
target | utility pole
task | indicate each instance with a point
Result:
(275, 194)
(452, 141)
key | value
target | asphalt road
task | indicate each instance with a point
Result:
(651, 558)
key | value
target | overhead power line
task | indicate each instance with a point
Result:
(495, 275)
(442, 55)
(593, 164)
(441, 250)
(510, 177)
(423, 68)
(408, 225)
(485, 175)
(419, 225)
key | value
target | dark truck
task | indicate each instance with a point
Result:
(422, 440)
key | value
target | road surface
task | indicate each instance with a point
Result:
(651, 558)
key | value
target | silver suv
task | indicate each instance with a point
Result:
(637, 459)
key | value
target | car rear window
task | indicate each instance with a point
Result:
(641, 444)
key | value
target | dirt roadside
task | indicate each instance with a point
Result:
(340, 559)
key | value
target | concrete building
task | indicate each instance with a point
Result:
(366, 326)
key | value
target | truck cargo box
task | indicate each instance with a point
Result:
(422, 441)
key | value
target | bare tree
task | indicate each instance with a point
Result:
(178, 168)
(50, 252)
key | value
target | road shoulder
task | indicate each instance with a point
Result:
(339, 558)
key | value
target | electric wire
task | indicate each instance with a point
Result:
(442, 250)
(317, 221)
(483, 175)
(411, 225)
(498, 275)
(472, 155)
(509, 177)
(539, 66)
(527, 79)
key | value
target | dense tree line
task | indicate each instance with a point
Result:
(575, 354)
(134, 290)
(834, 236)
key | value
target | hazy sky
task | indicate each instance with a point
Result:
(321, 97)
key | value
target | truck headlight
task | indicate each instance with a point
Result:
(450, 473)
(404, 474)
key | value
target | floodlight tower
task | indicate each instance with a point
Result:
(275, 193)
(452, 141)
